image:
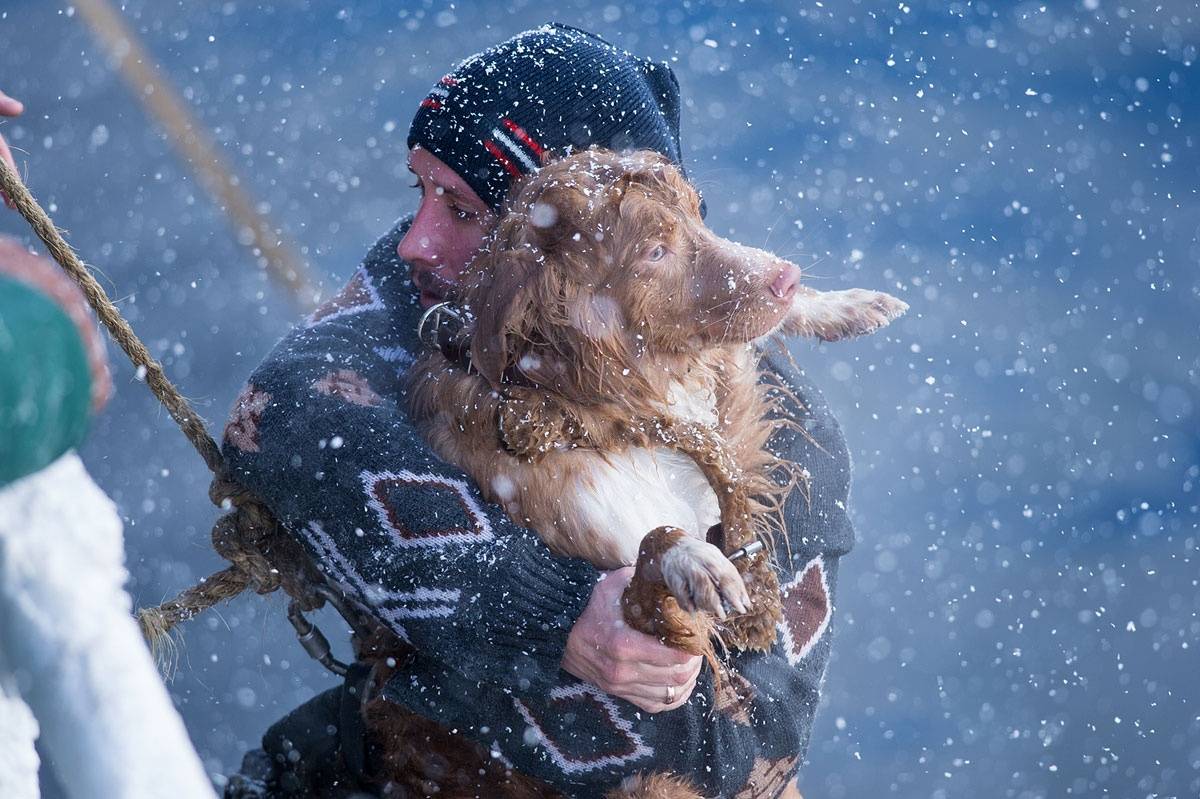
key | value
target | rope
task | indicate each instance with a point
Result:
(261, 554)
(162, 102)
(187, 419)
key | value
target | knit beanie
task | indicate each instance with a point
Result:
(555, 87)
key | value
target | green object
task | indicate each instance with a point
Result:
(45, 385)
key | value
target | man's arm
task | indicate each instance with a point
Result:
(751, 744)
(320, 435)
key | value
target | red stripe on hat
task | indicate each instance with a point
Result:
(429, 102)
(492, 148)
(449, 81)
(525, 138)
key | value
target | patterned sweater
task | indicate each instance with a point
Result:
(321, 434)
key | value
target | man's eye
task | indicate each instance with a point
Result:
(462, 213)
(657, 254)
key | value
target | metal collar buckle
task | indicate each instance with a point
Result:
(442, 314)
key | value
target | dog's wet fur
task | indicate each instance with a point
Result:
(603, 309)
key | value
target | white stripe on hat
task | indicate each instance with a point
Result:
(439, 91)
(502, 137)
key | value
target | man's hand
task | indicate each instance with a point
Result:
(8, 108)
(606, 652)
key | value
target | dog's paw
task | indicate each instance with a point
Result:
(835, 315)
(862, 311)
(887, 307)
(700, 577)
(883, 309)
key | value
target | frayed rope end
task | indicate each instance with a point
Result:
(159, 631)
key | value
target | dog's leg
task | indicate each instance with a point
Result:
(834, 315)
(753, 627)
(697, 574)
(677, 576)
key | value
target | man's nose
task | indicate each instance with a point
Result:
(416, 246)
(785, 283)
(419, 243)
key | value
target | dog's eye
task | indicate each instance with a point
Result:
(657, 254)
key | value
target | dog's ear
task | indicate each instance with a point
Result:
(565, 199)
(835, 315)
(501, 300)
(558, 214)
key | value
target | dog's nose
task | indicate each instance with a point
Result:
(785, 283)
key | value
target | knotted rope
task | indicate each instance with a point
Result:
(261, 554)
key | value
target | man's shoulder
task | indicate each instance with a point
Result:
(378, 292)
(383, 251)
(383, 262)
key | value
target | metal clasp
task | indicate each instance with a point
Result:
(313, 640)
(753, 548)
(433, 319)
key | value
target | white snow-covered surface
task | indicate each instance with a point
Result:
(76, 654)
(18, 758)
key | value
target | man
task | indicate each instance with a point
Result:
(517, 649)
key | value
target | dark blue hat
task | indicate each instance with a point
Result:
(551, 88)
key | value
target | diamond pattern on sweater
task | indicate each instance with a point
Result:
(734, 697)
(806, 611)
(348, 385)
(397, 356)
(767, 778)
(582, 729)
(393, 606)
(355, 297)
(244, 419)
(451, 513)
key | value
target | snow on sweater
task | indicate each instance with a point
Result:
(322, 435)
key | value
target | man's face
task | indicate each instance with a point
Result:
(448, 230)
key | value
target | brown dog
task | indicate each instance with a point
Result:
(608, 394)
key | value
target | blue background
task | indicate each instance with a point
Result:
(1019, 617)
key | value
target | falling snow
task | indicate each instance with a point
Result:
(1019, 617)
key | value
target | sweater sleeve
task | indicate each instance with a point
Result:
(584, 742)
(320, 434)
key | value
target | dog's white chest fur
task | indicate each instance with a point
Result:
(626, 495)
(629, 494)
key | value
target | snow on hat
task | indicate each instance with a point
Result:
(555, 87)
